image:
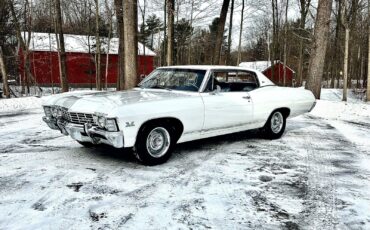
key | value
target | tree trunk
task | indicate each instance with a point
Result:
(318, 50)
(4, 74)
(170, 30)
(191, 35)
(220, 33)
(143, 14)
(178, 46)
(130, 26)
(230, 33)
(28, 27)
(164, 46)
(97, 51)
(52, 22)
(358, 85)
(337, 57)
(62, 52)
(345, 66)
(240, 35)
(118, 5)
(368, 58)
(275, 21)
(285, 41)
(109, 13)
(304, 4)
(90, 73)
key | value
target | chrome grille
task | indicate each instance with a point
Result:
(78, 118)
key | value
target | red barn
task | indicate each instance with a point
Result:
(278, 70)
(80, 52)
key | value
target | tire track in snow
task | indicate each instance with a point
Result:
(334, 179)
(320, 210)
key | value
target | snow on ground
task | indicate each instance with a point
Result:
(17, 105)
(316, 177)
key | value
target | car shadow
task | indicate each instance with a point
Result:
(214, 141)
(127, 154)
(109, 152)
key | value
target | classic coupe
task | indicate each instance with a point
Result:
(177, 104)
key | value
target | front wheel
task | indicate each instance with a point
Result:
(154, 144)
(275, 125)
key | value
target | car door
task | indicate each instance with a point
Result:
(227, 102)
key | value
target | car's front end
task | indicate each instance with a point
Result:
(96, 128)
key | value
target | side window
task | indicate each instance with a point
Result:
(233, 81)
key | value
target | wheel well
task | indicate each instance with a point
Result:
(284, 111)
(174, 123)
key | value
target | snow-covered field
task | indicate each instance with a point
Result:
(316, 177)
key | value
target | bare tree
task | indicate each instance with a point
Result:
(110, 20)
(240, 34)
(275, 35)
(118, 5)
(345, 24)
(368, 57)
(285, 41)
(142, 31)
(4, 74)
(191, 35)
(318, 50)
(304, 8)
(130, 25)
(98, 50)
(230, 33)
(163, 54)
(220, 32)
(61, 51)
(27, 30)
(170, 30)
(23, 46)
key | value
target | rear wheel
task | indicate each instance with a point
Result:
(275, 125)
(154, 144)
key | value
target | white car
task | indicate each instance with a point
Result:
(174, 105)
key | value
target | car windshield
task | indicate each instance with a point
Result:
(174, 79)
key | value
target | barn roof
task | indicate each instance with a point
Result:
(78, 44)
(260, 65)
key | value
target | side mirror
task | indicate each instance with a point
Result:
(217, 90)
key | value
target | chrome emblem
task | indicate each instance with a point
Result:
(130, 124)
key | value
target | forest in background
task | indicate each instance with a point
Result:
(323, 41)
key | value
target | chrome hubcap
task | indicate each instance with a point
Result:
(277, 122)
(158, 142)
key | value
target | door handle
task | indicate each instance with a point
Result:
(247, 97)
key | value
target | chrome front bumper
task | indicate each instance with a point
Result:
(86, 133)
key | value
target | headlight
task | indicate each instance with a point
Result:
(47, 111)
(101, 122)
(54, 111)
(59, 112)
(111, 125)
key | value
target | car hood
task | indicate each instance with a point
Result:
(104, 102)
